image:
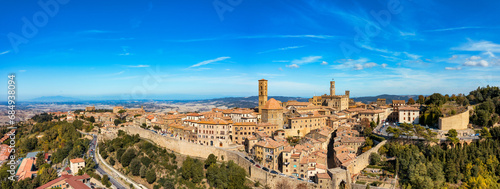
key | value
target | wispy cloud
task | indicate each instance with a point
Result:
(383, 65)
(257, 37)
(138, 66)
(357, 64)
(414, 56)
(402, 33)
(281, 60)
(484, 46)
(280, 49)
(453, 68)
(306, 60)
(324, 63)
(455, 28)
(271, 75)
(4, 52)
(209, 61)
(95, 31)
(126, 78)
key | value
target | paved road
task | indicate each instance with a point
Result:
(93, 146)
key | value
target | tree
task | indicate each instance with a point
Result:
(210, 160)
(485, 133)
(143, 171)
(127, 157)
(135, 166)
(112, 161)
(396, 132)
(421, 99)
(169, 183)
(452, 136)
(117, 122)
(436, 99)
(150, 176)
(46, 175)
(92, 119)
(40, 159)
(105, 181)
(411, 101)
(373, 124)
(374, 158)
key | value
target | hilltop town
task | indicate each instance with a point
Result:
(329, 142)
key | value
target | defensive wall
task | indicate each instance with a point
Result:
(340, 175)
(458, 122)
(196, 150)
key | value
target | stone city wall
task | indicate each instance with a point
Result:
(196, 150)
(458, 122)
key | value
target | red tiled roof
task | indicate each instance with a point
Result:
(272, 104)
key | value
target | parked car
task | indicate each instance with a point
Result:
(300, 179)
(252, 161)
(291, 177)
(281, 174)
(265, 169)
(274, 172)
(257, 165)
(247, 158)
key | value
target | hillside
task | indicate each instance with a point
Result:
(388, 98)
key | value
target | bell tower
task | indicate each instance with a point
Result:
(332, 88)
(262, 94)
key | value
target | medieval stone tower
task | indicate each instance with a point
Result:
(332, 88)
(262, 94)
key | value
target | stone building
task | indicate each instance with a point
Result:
(272, 112)
(339, 102)
(408, 114)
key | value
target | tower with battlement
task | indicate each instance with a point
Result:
(262, 94)
(332, 88)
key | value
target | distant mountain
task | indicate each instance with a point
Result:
(388, 98)
(55, 99)
(248, 102)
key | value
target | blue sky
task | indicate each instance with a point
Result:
(203, 49)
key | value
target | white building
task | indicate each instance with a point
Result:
(408, 115)
(76, 164)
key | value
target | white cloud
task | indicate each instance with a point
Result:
(281, 49)
(209, 61)
(383, 65)
(292, 66)
(402, 33)
(475, 58)
(138, 66)
(481, 63)
(280, 69)
(358, 64)
(281, 61)
(414, 56)
(453, 68)
(306, 60)
(324, 63)
(124, 54)
(4, 52)
(453, 57)
(485, 46)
